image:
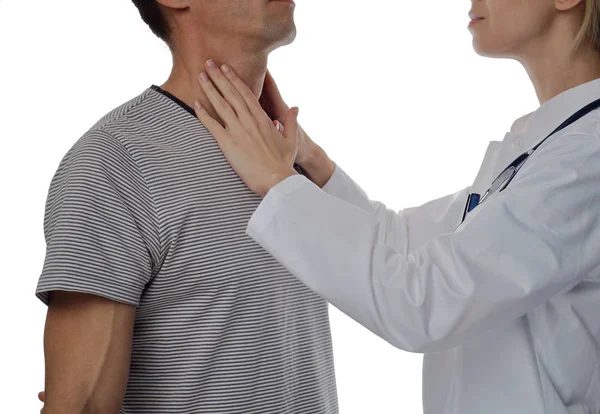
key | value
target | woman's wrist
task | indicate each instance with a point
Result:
(318, 166)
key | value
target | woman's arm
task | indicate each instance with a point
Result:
(524, 245)
(410, 228)
(420, 223)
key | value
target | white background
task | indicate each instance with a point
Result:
(393, 91)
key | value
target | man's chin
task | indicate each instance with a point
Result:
(282, 38)
(289, 36)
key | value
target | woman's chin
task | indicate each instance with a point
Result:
(487, 50)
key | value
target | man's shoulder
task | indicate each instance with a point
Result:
(123, 111)
(111, 132)
(105, 145)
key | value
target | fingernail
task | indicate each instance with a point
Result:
(203, 77)
(198, 105)
(225, 69)
(211, 64)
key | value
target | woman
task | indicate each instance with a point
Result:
(501, 291)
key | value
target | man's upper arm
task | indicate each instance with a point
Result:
(101, 230)
(87, 346)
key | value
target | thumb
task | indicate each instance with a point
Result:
(291, 129)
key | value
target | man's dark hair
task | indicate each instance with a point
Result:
(154, 18)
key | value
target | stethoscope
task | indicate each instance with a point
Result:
(506, 176)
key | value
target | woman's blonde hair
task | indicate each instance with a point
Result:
(590, 28)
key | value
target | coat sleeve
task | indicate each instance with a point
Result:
(415, 225)
(534, 240)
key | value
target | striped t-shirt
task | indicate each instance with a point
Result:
(144, 209)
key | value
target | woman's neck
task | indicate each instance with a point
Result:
(553, 68)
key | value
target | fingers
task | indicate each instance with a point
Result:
(262, 120)
(226, 96)
(222, 107)
(291, 129)
(291, 122)
(227, 90)
(215, 128)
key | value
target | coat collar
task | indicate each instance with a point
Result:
(537, 125)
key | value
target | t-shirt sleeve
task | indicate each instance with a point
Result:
(99, 224)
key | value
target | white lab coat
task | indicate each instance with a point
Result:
(507, 307)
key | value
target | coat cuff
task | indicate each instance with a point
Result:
(272, 201)
(341, 186)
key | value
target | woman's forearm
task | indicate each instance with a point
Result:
(318, 167)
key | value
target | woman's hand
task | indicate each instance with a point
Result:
(251, 143)
(275, 107)
(271, 101)
(315, 163)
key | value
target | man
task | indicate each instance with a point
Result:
(158, 302)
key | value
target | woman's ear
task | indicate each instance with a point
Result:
(564, 5)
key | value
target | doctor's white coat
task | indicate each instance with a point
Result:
(506, 308)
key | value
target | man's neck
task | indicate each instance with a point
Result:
(249, 65)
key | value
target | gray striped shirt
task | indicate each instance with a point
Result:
(144, 209)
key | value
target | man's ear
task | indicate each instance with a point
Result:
(175, 4)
